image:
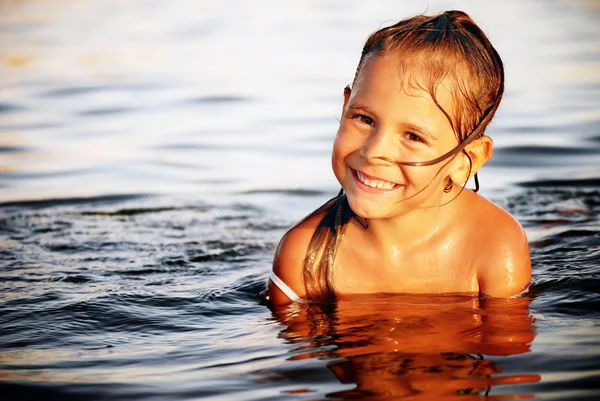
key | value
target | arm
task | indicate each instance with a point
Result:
(288, 263)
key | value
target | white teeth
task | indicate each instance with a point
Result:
(375, 183)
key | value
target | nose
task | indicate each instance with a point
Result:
(379, 147)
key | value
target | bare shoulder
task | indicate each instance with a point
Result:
(288, 263)
(503, 263)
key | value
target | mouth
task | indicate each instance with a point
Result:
(373, 184)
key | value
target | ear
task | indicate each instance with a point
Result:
(347, 93)
(479, 151)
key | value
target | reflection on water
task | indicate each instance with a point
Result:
(407, 346)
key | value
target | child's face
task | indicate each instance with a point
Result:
(385, 121)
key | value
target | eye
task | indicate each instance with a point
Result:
(363, 119)
(411, 136)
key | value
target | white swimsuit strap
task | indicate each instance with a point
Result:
(283, 287)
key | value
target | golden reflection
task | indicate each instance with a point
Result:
(413, 346)
(19, 61)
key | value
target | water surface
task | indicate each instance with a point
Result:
(153, 153)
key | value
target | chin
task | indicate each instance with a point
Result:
(367, 209)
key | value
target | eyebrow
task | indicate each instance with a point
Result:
(406, 125)
(358, 106)
(420, 130)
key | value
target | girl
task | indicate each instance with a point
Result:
(410, 136)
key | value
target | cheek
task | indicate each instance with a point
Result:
(422, 177)
(345, 143)
(339, 148)
(337, 157)
(343, 147)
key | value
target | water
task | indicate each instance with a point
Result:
(153, 153)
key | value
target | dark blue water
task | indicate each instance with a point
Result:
(152, 155)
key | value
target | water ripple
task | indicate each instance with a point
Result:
(49, 203)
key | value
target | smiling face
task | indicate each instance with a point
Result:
(386, 120)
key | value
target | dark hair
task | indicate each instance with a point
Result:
(429, 49)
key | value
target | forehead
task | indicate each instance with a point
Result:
(386, 82)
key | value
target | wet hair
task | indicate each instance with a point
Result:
(448, 47)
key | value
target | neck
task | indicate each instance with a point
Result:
(412, 228)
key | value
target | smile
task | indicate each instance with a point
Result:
(373, 182)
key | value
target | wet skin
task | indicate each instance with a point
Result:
(420, 239)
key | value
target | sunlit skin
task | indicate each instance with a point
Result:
(419, 239)
(419, 346)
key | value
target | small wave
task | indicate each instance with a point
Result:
(228, 302)
(72, 91)
(553, 277)
(74, 279)
(47, 203)
(25, 126)
(168, 266)
(268, 226)
(545, 151)
(6, 108)
(217, 251)
(129, 212)
(191, 146)
(64, 248)
(14, 149)
(217, 99)
(84, 90)
(526, 129)
(105, 111)
(283, 191)
(110, 313)
(567, 301)
(235, 253)
(545, 157)
(594, 138)
(582, 182)
(19, 175)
